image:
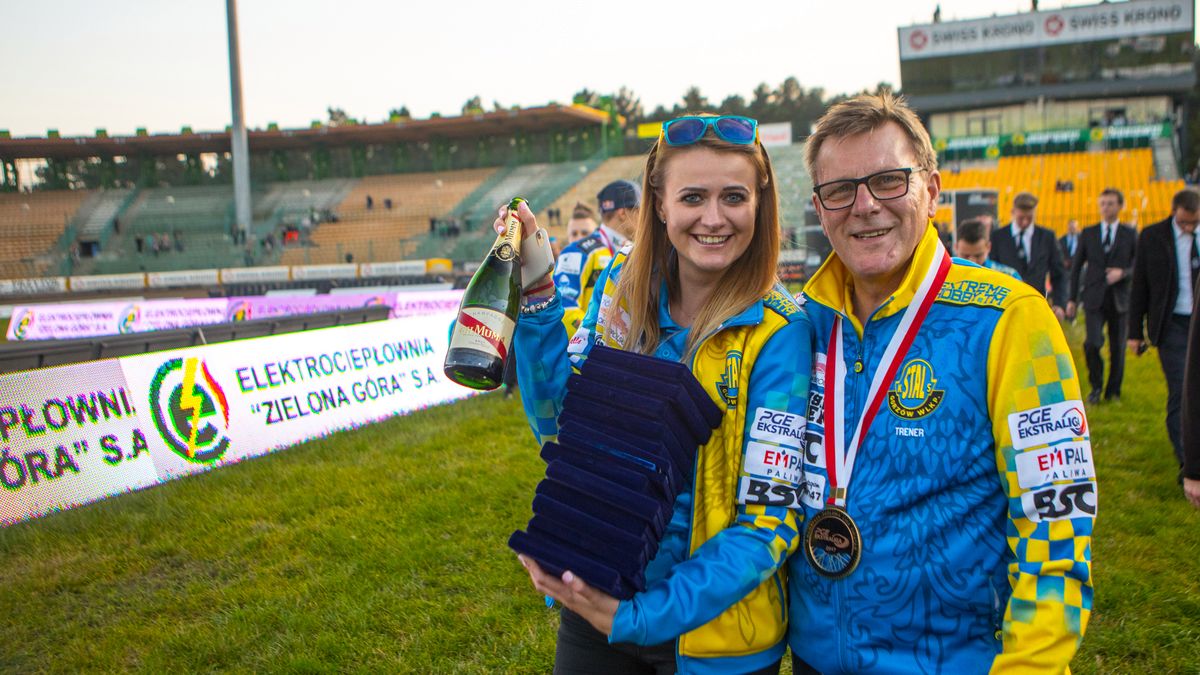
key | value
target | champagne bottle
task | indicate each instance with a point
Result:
(479, 346)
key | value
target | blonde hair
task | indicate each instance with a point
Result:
(864, 114)
(654, 259)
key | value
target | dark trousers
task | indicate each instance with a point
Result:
(583, 650)
(1117, 325)
(1172, 354)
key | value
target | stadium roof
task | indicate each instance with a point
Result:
(499, 123)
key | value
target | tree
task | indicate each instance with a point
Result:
(339, 118)
(628, 105)
(586, 96)
(694, 101)
(733, 105)
(764, 98)
(400, 113)
(473, 106)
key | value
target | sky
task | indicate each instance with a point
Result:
(79, 65)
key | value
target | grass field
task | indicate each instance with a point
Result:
(383, 550)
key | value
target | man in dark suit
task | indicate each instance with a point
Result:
(1106, 250)
(1069, 243)
(1032, 251)
(1160, 303)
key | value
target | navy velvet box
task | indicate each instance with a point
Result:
(629, 431)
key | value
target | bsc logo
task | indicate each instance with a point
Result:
(186, 401)
(727, 386)
(22, 325)
(913, 396)
(128, 320)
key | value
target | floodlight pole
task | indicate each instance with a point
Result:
(238, 145)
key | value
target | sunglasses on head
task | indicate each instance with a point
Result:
(729, 128)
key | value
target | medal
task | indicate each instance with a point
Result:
(832, 543)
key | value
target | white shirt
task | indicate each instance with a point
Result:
(1183, 258)
(1026, 239)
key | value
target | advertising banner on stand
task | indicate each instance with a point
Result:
(71, 435)
(65, 321)
(212, 405)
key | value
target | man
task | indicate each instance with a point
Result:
(973, 243)
(946, 448)
(1191, 408)
(1104, 258)
(581, 262)
(1160, 303)
(581, 224)
(1032, 250)
(1068, 243)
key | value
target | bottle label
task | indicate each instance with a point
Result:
(484, 330)
(506, 244)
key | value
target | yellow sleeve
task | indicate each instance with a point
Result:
(1043, 454)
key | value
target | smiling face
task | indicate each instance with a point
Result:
(708, 201)
(875, 239)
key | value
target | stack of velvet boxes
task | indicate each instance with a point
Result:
(627, 441)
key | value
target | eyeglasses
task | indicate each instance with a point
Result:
(883, 185)
(729, 128)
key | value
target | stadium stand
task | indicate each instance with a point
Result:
(33, 224)
(795, 191)
(94, 221)
(1086, 173)
(614, 168)
(379, 233)
(292, 201)
(539, 183)
(16, 356)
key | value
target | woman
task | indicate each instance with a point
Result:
(699, 287)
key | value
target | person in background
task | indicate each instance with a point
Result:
(581, 224)
(1032, 251)
(937, 539)
(973, 242)
(1068, 243)
(699, 287)
(1160, 302)
(1104, 259)
(582, 262)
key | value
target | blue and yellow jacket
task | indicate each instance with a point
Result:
(974, 487)
(577, 271)
(717, 582)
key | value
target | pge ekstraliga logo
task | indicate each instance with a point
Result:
(190, 410)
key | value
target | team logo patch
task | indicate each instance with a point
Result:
(1059, 502)
(128, 319)
(812, 490)
(757, 491)
(773, 461)
(914, 394)
(238, 311)
(1065, 461)
(23, 322)
(778, 426)
(1047, 424)
(190, 410)
(727, 386)
(570, 263)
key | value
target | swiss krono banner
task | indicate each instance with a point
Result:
(75, 434)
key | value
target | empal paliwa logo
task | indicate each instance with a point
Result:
(190, 410)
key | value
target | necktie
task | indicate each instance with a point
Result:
(1195, 261)
(1108, 232)
(1021, 252)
